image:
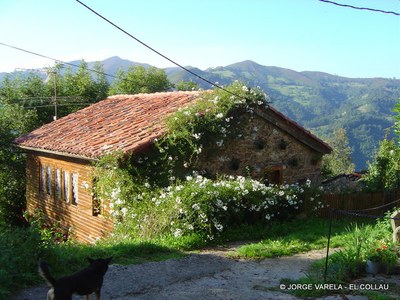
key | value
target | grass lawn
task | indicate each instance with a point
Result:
(22, 248)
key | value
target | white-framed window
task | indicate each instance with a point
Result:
(75, 189)
(49, 181)
(66, 181)
(58, 184)
(42, 184)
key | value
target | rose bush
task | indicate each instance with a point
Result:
(208, 207)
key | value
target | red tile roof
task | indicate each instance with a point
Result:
(121, 122)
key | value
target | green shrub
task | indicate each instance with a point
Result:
(208, 207)
(20, 250)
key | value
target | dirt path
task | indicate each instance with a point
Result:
(208, 275)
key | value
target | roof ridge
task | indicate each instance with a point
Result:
(153, 94)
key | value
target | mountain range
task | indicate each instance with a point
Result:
(319, 101)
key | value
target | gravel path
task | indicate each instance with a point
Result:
(209, 275)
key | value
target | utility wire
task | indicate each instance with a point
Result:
(52, 105)
(63, 62)
(361, 8)
(157, 52)
(54, 59)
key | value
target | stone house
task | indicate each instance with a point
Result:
(60, 154)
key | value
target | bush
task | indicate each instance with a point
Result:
(207, 207)
(20, 250)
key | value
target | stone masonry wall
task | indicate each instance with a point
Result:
(259, 149)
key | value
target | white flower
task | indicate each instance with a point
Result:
(245, 88)
(124, 210)
(220, 115)
(196, 136)
(196, 206)
(178, 232)
(219, 227)
(220, 143)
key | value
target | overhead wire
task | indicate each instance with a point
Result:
(55, 59)
(158, 52)
(361, 8)
(59, 104)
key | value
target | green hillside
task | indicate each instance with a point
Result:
(319, 101)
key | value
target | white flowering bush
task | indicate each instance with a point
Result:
(208, 207)
(206, 124)
(113, 186)
(151, 195)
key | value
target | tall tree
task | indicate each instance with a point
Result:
(84, 86)
(339, 161)
(187, 86)
(140, 80)
(384, 170)
(14, 121)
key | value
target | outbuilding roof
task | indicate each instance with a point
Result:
(129, 123)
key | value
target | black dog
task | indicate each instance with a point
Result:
(85, 282)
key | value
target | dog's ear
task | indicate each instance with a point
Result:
(90, 260)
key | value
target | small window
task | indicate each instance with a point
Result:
(96, 203)
(66, 186)
(275, 175)
(49, 181)
(58, 184)
(75, 189)
(42, 179)
(96, 206)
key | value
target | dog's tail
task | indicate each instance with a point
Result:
(45, 273)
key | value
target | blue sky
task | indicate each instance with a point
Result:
(295, 34)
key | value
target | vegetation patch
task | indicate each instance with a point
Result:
(349, 264)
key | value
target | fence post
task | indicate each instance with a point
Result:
(329, 242)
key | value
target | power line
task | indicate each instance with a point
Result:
(52, 105)
(63, 62)
(361, 8)
(54, 59)
(157, 52)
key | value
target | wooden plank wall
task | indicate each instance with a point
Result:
(85, 227)
(358, 201)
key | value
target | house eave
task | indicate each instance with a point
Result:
(57, 153)
(294, 129)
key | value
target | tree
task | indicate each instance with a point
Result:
(140, 80)
(384, 171)
(187, 86)
(339, 161)
(396, 126)
(14, 121)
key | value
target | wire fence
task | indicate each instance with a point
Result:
(367, 202)
(376, 212)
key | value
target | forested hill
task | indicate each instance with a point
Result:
(319, 101)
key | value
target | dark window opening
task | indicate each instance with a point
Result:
(234, 164)
(274, 175)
